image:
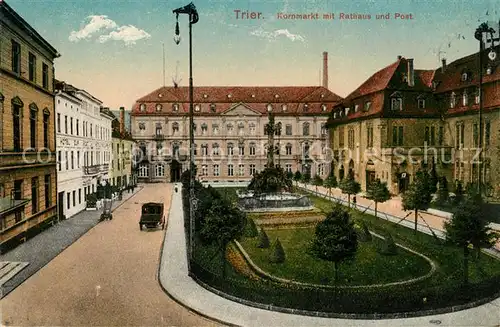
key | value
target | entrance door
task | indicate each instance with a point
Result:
(370, 177)
(60, 206)
(403, 182)
(175, 171)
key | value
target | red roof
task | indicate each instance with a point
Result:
(225, 97)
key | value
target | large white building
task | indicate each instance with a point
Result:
(83, 138)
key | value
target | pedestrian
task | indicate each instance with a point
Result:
(354, 201)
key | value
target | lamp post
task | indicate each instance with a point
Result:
(481, 34)
(190, 10)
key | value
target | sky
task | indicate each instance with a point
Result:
(114, 48)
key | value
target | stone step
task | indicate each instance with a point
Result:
(9, 269)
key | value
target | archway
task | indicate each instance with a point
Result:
(341, 173)
(351, 168)
(370, 173)
(175, 171)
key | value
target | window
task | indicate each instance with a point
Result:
(45, 76)
(68, 199)
(160, 170)
(356, 108)
(158, 130)
(397, 104)
(288, 149)
(59, 123)
(175, 107)
(305, 129)
(321, 169)
(230, 149)
(216, 170)
(79, 196)
(230, 171)
(323, 129)
(215, 149)
(305, 150)
(350, 139)
(441, 135)
(429, 135)
(33, 113)
(215, 129)
(74, 198)
(369, 136)
(241, 129)
(252, 149)
(71, 126)
(341, 137)
(460, 134)
(306, 107)
(212, 107)
(241, 170)
(66, 157)
(143, 170)
(252, 128)
(65, 124)
(72, 161)
(241, 149)
(77, 127)
(421, 103)
(90, 130)
(18, 189)
(158, 107)
(487, 132)
(288, 168)
(477, 96)
(252, 169)
(204, 149)
(465, 98)
(204, 129)
(175, 128)
(16, 115)
(288, 129)
(78, 159)
(475, 135)
(204, 170)
(367, 106)
(16, 57)
(47, 191)
(32, 67)
(397, 135)
(230, 129)
(175, 150)
(59, 159)
(34, 195)
(453, 100)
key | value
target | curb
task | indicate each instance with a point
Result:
(170, 295)
(3, 295)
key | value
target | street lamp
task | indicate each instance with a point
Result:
(190, 10)
(485, 35)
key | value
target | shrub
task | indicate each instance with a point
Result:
(263, 239)
(388, 246)
(277, 253)
(251, 229)
(363, 232)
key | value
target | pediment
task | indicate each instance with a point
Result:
(241, 109)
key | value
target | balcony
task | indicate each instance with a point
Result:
(91, 170)
(159, 136)
(104, 168)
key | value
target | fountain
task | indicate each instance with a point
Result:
(271, 189)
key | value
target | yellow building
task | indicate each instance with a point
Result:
(121, 172)
(27, 139)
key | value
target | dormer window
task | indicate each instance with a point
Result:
(367, 106)
(230, 128)
(323, 107)
(334, 115)
(284, 107)
(396, 102)
(212, 107)
(158, 107)
(175, 107)
(229, 95)
(205, 96)
(269, 107)
(197, 107)
(465, 76)
(306, 107)
(356, 108)
(142, 107)
(142, 126)
(453, 100)
(276, 96)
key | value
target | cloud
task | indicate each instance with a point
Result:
(271, 36)
(96, 24)
(127, 33)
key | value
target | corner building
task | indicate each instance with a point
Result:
(28, 182)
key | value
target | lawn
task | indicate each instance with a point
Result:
(368, 267)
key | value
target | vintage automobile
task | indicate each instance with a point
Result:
(152, 216)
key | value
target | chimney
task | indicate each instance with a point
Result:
(399, 57)
(122, 121)
(411, 73)
(325, 69)
(443, 67)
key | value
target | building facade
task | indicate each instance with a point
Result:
(28, 184)
(229, 125)
(402, 119)
(83, 135)
(122, 170)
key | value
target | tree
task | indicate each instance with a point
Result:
(330, 181)
(350, 187)
(270, 180)
(433, 179)
(289, 175)
(335, 238)
(277, 252)
(459, 193)
(306, 178)
(223, 223)
(442, 192)
(467, 229)
(418, 196)
(297, 177)
(317, 181)
(378, 192)
(263, 239)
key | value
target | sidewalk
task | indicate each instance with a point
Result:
(393, 210)
(173, 276)
(41, 249)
